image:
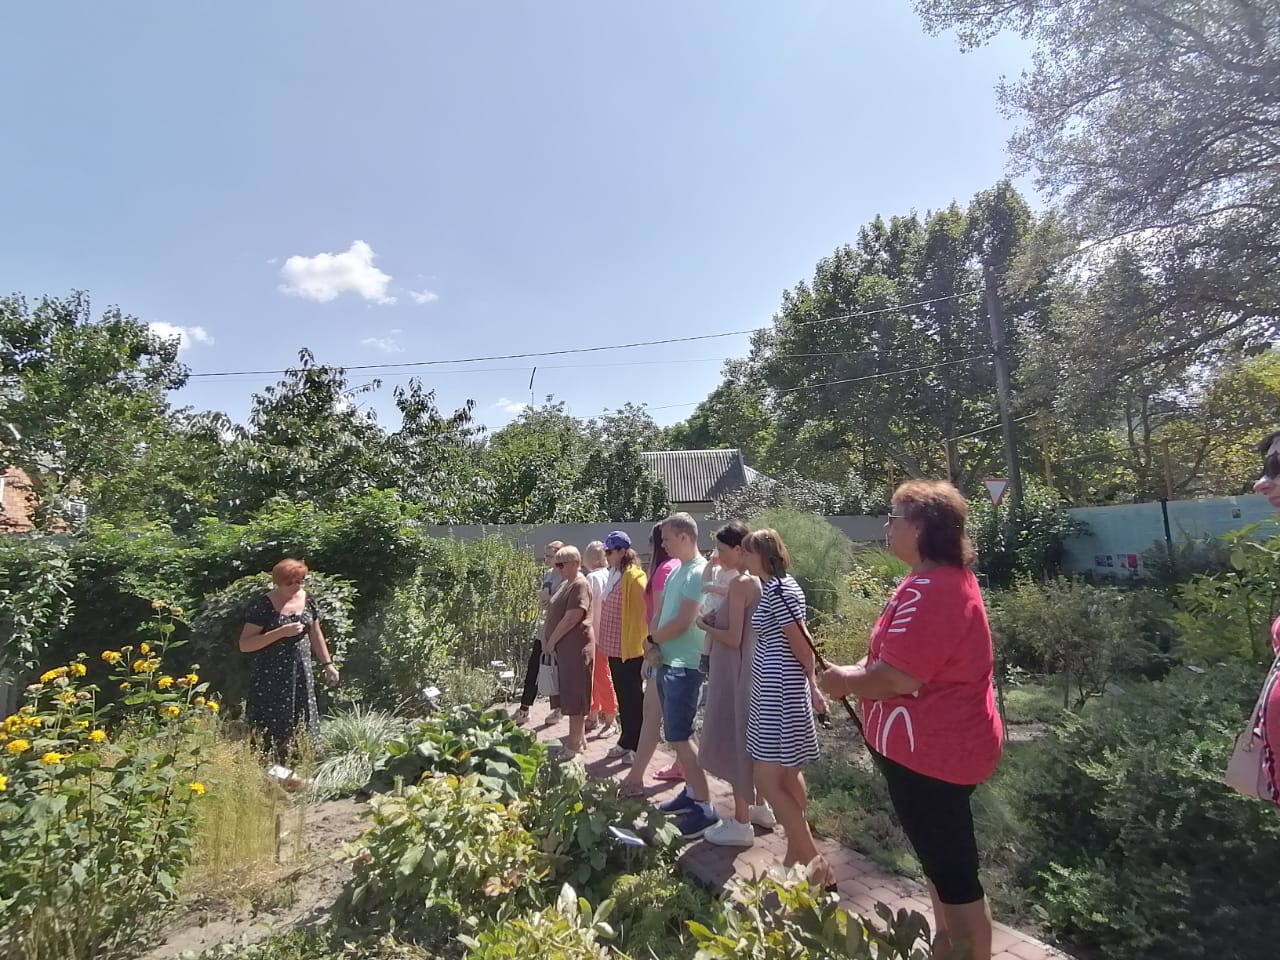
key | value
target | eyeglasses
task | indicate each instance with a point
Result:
(897, 516)
(561, 564)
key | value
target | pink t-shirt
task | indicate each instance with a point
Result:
(655, 585)
(934, 629)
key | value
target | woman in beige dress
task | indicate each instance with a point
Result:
(569, 637)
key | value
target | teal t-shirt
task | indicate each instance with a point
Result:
(685, 583)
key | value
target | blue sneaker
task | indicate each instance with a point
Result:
(679, 803)
(695, 823)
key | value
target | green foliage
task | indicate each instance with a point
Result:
(98, 803)
(440, 855)
(821, 556)
(220, 618)
(1228, 615)
(351, 741)
(35, 600)
(464, 742)
(1035, 547)
(650, 911)
(1138, 849)
(1083, 633)
(793, 491)
(807, 923)
(313, 945)
(566, 930)
(572, 816)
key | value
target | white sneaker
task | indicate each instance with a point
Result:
(608, 730)
(615, 752)
(628, 758)
(762, 816)
(555, 716)
(730, 833)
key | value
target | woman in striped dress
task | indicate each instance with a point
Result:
(781, 736)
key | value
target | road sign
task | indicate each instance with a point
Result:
(996, 487)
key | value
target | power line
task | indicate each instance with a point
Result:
(575, 350)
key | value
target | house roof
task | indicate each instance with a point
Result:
(700, 476)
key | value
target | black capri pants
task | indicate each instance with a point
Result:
(937, 819)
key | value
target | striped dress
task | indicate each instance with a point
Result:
(780, 727)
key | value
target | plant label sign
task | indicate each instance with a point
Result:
(996, 487)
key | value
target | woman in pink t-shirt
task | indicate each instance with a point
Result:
(928, 703)
(1269, 716)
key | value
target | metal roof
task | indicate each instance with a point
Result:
(700, 476)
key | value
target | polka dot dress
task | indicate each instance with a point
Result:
(282, 692)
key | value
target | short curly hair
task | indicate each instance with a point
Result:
(288, 569)
(941, 512)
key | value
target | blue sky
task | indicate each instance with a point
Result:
(488, 178)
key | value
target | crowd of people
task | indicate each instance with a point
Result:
(644, 653)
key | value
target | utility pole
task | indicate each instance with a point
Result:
(1004, 387)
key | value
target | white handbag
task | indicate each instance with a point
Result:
(548, 676)
(1247, 769)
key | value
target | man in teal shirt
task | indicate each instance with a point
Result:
(680, 639)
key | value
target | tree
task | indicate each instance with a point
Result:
(81, 400)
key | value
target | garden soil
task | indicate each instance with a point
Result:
(300, 896)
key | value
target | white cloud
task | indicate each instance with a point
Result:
(422, 297)
(324, 276)
(385, 344)
(186, 336)
(511, 406)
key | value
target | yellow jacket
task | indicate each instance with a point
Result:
(635, 625)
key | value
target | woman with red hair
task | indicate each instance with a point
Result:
(281, 634)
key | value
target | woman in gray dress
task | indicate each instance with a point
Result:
(722, 747)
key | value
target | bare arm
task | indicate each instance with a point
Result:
(253, 638)
(739, 596)
(879, 682)
(794, 632)
(571, 619)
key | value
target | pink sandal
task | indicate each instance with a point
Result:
(672, 774)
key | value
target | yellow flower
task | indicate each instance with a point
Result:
(191, 679)
(197, 789)
(199, 701)
(178, 611)
(126, 685)
(158, 604)
(51, 675)
(78, 669)
(4, 783)
(144, 648)
(164, 683)
(52, 757)
(98, 736)
(82, 724)
(18, 746)
(212, 706)
(145, 666)
(171, 710)
(112, 656)
(67, 696)
(35, 723)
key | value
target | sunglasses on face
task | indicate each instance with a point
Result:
(561, 564)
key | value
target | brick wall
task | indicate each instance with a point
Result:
(15, 507)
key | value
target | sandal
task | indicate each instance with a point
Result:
(672, 774)
(633, 791)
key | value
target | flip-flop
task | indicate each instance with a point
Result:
(671, 774)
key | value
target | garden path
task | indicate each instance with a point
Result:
(862, 883)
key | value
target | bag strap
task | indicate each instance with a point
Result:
(822, 662)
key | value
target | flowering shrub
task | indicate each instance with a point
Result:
(96, 800)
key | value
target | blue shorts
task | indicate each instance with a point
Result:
(678, 689)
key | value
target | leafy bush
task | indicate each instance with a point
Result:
(572, 815)
(351, 742)
(876, 574)
(566, 930)
(313, 945)
(1084, 633)
(1228, 616)
(98, 803)
(650, 909)
(440, 855)
(216, 626)
(465, 741)
(35, 599)
(821, 556)
(805, 922)
(1138, 849)
(1036, 548)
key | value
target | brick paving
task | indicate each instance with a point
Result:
(862, 883)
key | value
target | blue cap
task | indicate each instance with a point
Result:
(617, 541)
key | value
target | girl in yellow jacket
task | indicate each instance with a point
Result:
(623, 627)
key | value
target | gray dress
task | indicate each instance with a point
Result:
(722, 747)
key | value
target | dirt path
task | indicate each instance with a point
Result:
(307, 890)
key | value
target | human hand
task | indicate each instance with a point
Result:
(833, 680)
(818, 701)
(331, 677)
(293, 629)
(589, 653)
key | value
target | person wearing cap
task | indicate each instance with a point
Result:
(623, 627)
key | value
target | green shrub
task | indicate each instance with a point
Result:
(463, 741)
(350, 744)
(566, 930)
(571, 815)
(313, 945)
(805, 922)
(1138, 849)
(1083, 633)
(650, 910)
(35, 600)
(1228, 616)
(1035, 548)
(821, 556)
(441, 856)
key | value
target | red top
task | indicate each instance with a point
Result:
(934, 629)
(656, 584)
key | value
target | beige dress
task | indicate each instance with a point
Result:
(722, 747)
(574, 669)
